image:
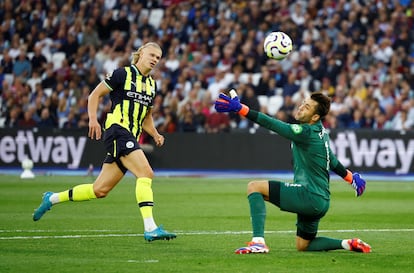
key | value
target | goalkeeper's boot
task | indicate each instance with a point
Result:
(158, 234)
(252, 247)
(358, 245)
(44, 206)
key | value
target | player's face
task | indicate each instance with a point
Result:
(306, 112)
(150, 57)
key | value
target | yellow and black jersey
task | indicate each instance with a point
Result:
(132, 95)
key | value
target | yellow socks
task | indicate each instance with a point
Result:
(144, 195)
(145, 200)
(81, 192)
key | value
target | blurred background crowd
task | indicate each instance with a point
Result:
(361, 53)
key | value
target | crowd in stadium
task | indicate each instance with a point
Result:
(361, 53)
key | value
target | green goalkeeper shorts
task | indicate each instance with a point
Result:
(295, 198)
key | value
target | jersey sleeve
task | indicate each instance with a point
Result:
(293, 132)
(116, 79)
(336, 166)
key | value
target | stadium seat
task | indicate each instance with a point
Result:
(30, 55)
(263, 100)
(274, 104)
(155, 17)
(57, 59)
(256, 78)
(48, 91)
(9, 78)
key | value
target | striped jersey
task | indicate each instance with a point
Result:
(132, 95)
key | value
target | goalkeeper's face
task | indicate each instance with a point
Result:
(306, 113)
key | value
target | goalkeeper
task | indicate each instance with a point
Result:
(308, 196)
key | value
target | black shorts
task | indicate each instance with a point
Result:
(309, 208)
(119, 142)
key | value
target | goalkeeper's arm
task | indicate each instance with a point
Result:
(354, 179)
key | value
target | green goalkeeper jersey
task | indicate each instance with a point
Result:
(312, 155)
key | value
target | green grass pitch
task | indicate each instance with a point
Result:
(211, 219)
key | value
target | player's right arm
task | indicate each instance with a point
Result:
(95, 131)
(294, 132)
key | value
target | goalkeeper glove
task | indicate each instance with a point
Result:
(226, 104)
(356, 181)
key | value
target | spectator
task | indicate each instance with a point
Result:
(49, 77)
(90, 36)
(354, 44)
(71, 121)
(27, 122)
(22, 66)
(357, 120)
(7, 63)
(217, 123)
(46, 120)
(38, 60)
(401, 122)
(170, 122)
(13, 117)
(70, 46)
(111, 63)
(291, 87)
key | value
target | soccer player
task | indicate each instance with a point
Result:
(308, 196)
(132, 91)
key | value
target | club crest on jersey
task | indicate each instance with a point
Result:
(108, 75)
(296, 128)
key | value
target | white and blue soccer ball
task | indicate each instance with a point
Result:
(27, 164)
(277, 45)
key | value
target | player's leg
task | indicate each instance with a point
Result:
(109, 176)
(257, 193)
(310, 209)
(137, 163)
(306, 239)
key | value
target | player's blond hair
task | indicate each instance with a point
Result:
(137, 54)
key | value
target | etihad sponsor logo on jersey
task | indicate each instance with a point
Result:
(140, 97)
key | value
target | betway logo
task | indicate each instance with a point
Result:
(56, 149)
(386, 152)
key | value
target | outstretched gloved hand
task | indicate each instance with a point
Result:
(226, 104)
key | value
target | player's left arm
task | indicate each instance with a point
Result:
(149, 127)
(353, 178)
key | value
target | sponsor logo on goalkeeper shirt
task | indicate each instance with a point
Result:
(296, 128)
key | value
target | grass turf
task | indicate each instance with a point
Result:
(211, 218)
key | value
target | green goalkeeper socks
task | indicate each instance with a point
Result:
(324, 243)
(257, 213)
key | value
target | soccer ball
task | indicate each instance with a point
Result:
(277, 45)
(27, 164)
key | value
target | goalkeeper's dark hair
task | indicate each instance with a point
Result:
(324, 103)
